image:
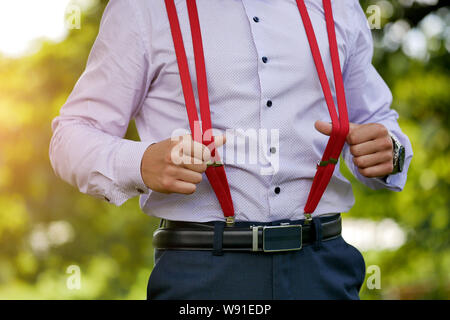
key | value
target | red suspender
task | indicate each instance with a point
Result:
(215, 172)
(340, 126)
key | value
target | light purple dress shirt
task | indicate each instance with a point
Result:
(132, 73)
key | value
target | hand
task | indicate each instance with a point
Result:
(371, 147)
(176, 166)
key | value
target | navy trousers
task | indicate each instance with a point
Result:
(330, 269)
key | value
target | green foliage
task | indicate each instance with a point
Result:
(47, 225)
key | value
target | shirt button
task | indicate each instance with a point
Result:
(264, 59)
(277, 190)
(256, 19)
(269, 103)
(273, 150)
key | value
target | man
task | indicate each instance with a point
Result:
(261, 76)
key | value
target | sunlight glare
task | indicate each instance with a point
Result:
(22, 21)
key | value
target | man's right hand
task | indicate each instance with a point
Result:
(176, 166)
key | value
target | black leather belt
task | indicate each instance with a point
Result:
(176, 235)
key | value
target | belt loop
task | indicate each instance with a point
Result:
(317, 233)
(219, 226)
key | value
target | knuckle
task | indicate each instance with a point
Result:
(168, 158)
(352, 138)
(382, 144)
(390, 167)
(383, 130)
(360, 162)
(171, 171)
(354, 150)
(389, 156)
(387, 142)
(166, 182)
(174, 156)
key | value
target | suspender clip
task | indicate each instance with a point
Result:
(308, 218)
(230, 221)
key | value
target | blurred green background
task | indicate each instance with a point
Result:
(47, 225)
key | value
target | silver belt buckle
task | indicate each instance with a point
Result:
(284, 237)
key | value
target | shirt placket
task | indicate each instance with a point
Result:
(259, 20)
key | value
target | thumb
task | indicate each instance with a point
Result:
(220, 140)
(323, 127)
(326, 127)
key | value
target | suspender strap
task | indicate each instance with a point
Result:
(183, 67)
(202, 84)
(340, 125)
(215, 172)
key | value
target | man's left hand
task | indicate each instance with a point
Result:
(371, 147)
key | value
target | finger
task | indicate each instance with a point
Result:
(182, 160)
(200, 168)
(323, 127)
(380, 170)
(195, 150)
(199, 151)
(326, 127)
(371, 146)
(353, 126)
(373, 159)
(220, 140)
(188, 175)
(183, 187)
(363, 133)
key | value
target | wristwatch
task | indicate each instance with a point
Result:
(399, 154)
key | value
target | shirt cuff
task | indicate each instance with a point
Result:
(128, 181)
(392, 181)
